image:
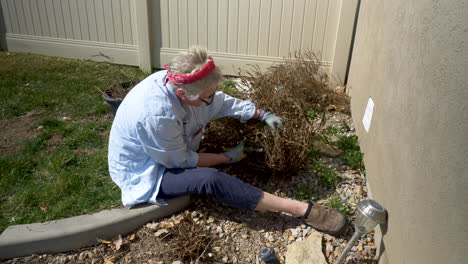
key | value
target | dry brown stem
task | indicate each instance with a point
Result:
(187, 240)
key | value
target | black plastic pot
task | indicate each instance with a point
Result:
(114, 103)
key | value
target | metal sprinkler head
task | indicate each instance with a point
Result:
(369, 214)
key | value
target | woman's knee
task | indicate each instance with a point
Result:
(215, 178)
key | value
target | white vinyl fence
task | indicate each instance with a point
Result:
(148, 33)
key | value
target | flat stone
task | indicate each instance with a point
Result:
(326, 149)
(306, 251)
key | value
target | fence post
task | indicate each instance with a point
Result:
(143, 31)
(344, 42)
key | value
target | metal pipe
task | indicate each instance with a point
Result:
(348, 247)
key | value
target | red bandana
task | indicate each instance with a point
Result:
(181, 79)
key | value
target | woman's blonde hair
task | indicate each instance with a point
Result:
(190, 61)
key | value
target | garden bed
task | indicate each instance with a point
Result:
(227, 235)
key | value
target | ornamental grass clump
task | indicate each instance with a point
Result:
(291, 89)
(281, 90)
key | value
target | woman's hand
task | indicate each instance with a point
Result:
(272, 121)
(236, 154)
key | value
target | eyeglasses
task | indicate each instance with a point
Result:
(209, 99)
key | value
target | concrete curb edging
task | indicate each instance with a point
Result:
(80, 231)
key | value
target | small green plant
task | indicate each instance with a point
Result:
(347, 143)
(354, 160)
(312, 113)
(314, 154)
(335, 202)
(328, 177)
(328, 135)
(323, 138)
(229, 87)
(305, 192)
(229, 83)
(332, 131)
(352, 155)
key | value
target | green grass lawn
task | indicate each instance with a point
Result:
(62, 170)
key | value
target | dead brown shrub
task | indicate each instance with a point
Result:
(290, 89)
(297, 79)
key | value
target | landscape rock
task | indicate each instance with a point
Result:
(306, 251)
(326, 149)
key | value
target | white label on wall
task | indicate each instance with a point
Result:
(366, 120)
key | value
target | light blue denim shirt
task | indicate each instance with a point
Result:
(153, 131)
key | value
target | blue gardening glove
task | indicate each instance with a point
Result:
(236, 154)
(272, 121)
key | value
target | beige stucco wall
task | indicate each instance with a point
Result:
(411, 58)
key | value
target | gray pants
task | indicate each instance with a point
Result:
(222, 187)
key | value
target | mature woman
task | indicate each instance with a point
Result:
(157, 131)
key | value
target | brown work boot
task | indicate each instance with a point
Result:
(324, 219)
